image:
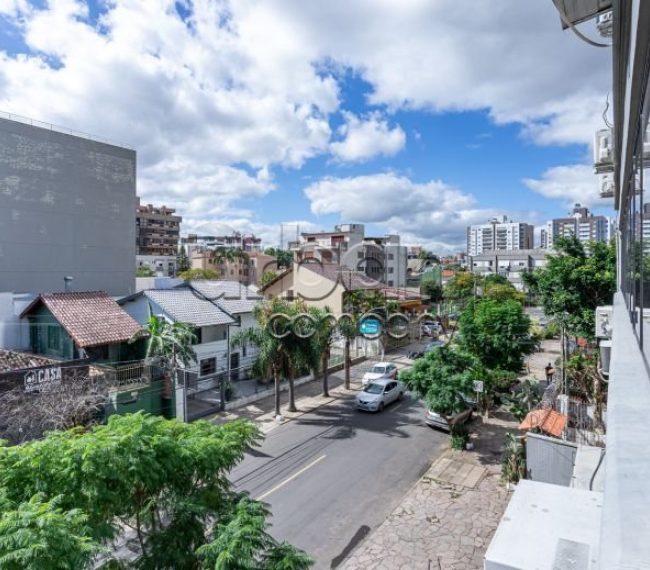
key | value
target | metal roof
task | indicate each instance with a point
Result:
(187, 306)
(222, 289)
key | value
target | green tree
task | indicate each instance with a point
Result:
(144, 271)
(497, 333)
(267, 277)
(502, 292)
(462, 287)
(348, 328)
(433, 290)
(172, 343)
(284, 257)
(441, 378)
(182, 261)
(166, 480)
(192, 274)
(324, 331)
(573, 283)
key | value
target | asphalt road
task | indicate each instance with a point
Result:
(334, 474)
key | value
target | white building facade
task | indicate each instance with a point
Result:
(499, 234)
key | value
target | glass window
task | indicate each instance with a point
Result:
(208, 366)
(53, 338)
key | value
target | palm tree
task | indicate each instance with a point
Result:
(172, 343)
(324, 330)
(348, 328)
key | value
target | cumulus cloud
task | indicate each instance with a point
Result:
(215, 94)
(572, 184)
(432, 212)
(366, 138)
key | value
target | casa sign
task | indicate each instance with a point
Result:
(42, 379)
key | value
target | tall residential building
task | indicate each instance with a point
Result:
(642, 227)
(499, 234)
(157, 234)
(247, 242)
(381, 258)
(581, 223)
(66, 212)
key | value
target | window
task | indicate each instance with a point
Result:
(208, 366)
(243, 350)
(360, 254)
(53, 338)
(391, 257)
(391, 269)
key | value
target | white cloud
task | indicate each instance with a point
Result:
(367, 138)
(214, 101)
(432, 213)
(572, 184)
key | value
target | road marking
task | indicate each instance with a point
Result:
(289, 479)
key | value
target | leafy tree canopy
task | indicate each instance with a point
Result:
(191, 274)
(441, 378)
(284, 257)
(267, 277)
(66, 496)
(462, 286)
(574, 282)
(433, 290)
(496, 332)
(144, 271)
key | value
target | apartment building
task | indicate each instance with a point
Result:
(642, 227)
(509, 264)
(157, 235)
(66, 211)
(246, 269)
(381, 258)
(580, 223)
(499, 234)
(246, 242)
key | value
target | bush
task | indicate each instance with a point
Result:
(459, 436)
(552, 330)
(513, 463)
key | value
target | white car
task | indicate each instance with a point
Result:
(380, 370)
(378, 394)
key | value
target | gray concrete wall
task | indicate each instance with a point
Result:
(67, 207)
(549, 460)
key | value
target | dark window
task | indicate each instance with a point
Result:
(208, 366)
(391, 256)
(54, 338)
(243, 350)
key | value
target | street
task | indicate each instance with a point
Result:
(334, 474)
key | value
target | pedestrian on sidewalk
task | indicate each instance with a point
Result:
(549, 373)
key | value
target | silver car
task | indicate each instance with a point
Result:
(438, 421)
(377, 394)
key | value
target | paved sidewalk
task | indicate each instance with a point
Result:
(447, 519)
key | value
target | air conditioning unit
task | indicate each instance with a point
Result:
(604, 322)
(607, 185)
(603, 161)
(605, 24)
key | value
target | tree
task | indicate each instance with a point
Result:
(324, 331)
(172, 343)
(161, 483)
(78, 401)
(462, 287)
(497, 333)
(573, 283)
(267, 277)
(586, 383)
(284, 257)
(501, 292)
(144, 271)
(442, 378)
(182, 261)
(433, 290)
(192, 274)
(426, 255)
(348, 327)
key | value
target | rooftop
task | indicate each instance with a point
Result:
(187, 306)
(90, 318)
(12, 360)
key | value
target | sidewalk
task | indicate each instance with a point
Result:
(446, 521)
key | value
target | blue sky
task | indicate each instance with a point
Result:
(413, 117)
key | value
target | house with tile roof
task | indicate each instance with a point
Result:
(217, 310)
(79, 325)
(320, 284)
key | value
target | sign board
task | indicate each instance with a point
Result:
(42, 379)
(370, 326)
(478, 385)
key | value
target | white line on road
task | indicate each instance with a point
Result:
(289, 479)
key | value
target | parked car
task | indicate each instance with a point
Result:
(430, 328)
(378, 394)
(415, 354)
(435, 420)
(380, 370)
